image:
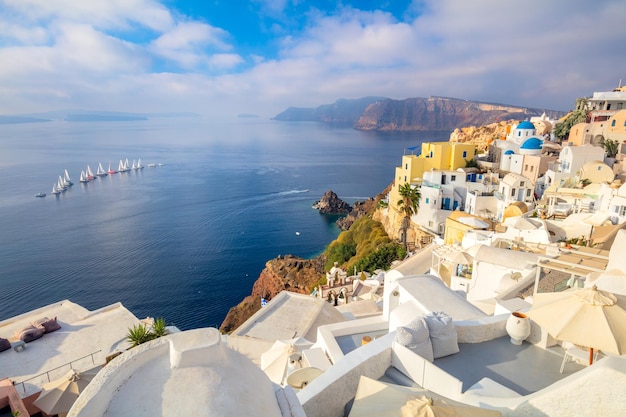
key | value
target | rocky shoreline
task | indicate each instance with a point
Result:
(291, 273)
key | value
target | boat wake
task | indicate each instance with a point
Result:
(292, 192)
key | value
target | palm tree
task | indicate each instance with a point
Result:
(408, 204)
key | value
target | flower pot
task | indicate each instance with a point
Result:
(518, 327)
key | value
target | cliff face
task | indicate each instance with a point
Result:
(481, 136)
(439, 113)
(282, 273)
(343, 112)
(411, 114)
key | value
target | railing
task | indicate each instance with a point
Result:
(47, 373)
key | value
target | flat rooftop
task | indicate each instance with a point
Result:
(84, 340)
(287, 316)
(524, 369)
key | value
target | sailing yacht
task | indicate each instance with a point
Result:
(60, 185)
(111, 170)
(83, 177)
(139, 166)
(66, 180)
(54, 189)
(89, 174)
(134, 165)
(100, 172)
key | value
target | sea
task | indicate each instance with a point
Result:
(185, 239)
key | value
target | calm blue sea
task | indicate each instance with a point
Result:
(185, 240)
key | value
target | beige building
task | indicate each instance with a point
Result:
(616, 127)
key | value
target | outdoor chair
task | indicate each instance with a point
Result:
(577, 354)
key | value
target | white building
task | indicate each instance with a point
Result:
(571, 160)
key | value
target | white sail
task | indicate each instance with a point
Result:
(90, 175)
(126, 165)
(66, 179)
(54, 189)
(60, 185)
(139, 166)
(100, 172)
(134, 165)
(120, 167)
(83, 178)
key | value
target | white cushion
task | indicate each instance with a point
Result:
(415, 336)
(442, 334)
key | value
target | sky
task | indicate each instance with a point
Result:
(220, 58)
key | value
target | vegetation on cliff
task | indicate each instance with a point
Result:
(365, 246)
(579, 115)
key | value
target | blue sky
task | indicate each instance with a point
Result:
(220, 58)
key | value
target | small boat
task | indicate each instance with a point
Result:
(66, 179)
(111, 170)
(89, 174)
(126, 165)
(40, 195)
(152, 165)
(139, 166)
(54, 189)
(83, 177)
(133, 166)
(100, 172)
(297, 233)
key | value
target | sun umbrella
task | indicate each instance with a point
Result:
(276, 360)
(379, 399)
(586, 317)
(460, 258)
(59, 395)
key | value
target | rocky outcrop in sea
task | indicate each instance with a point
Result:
(330, 203)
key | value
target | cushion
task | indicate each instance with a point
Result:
(4, 344)
(49, 325)
(29, 334)
(415, 336)
(442, 334)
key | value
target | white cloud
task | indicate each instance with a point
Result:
(536, 54)
(101, 13)
(190, 44)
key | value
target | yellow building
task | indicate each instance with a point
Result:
(459, 223)
(447, 156)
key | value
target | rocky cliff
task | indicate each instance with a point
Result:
(281, 273)
(481, 136)
(412, 114)
(439, 113)
(343, 112)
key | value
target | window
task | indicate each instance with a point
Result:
(599, 167)
(623, 213)
(430, 155)
(427, 199)
(532, 168)
(452, 177)
(512, 192)
(613, 123)
(528, 193)
(521, 184)
(464, 154)
(443, 180)
(526, 167)
(430, 223)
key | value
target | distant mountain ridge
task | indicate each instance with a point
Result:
(341, 112)
(411, 114)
